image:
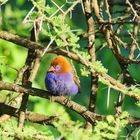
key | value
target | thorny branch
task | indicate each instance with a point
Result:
(88, 115)
(33, 63)
(45, 94)
(78, 58)
(94, 12)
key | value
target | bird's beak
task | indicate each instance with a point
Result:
(51, 69)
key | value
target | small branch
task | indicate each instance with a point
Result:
(134, 45)
(120, 42)
(30, 116)
(134, 121)
(108, 11)
(134, 40)
(101, 8)
(120, 26)
(133, 10)
(97, 10)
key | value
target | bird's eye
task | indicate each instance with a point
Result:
(57, 68)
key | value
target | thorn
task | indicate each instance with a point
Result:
(57, 11)
(108, 97)
(25, 19)
(82, 7)
(52, 39)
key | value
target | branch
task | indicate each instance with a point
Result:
(16, 100)
(44, 119)
(88, 115)
(91, 117)
(19, 40)
(91, 50)
(109, 80)
(133, 10)
(134, 42)
(33, 45)
(30, 116)
(109, 33)
(33, 61)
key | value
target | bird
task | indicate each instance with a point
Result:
(60, 79)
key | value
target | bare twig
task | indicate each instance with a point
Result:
(91, 50)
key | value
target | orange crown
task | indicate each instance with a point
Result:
(63, 62)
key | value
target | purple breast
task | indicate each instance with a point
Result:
(61, 84)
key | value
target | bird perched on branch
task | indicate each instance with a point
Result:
(60, 78)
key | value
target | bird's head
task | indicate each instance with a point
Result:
(60, 65)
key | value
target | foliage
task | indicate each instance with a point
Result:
(67, 128)
(110, 128)
(9, 129)
(61, 31)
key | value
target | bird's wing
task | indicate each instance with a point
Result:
(75, 76)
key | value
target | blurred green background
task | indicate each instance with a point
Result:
(13, 57)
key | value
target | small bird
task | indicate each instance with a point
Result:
(60, 79)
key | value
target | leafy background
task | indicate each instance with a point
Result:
(13, 57)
